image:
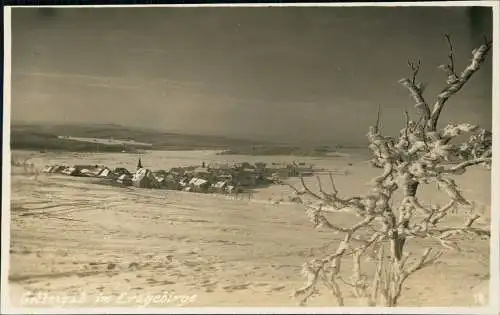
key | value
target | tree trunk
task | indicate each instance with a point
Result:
(398, 238)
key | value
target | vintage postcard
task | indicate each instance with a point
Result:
(317, 158)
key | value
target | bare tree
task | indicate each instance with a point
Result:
(421, 154)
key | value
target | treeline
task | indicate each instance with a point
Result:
(45, 137)
(278, 150)
(48, 142)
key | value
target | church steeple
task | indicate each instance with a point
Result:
(139, 164)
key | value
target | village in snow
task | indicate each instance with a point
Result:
(203, 178)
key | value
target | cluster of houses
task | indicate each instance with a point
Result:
(211, 178)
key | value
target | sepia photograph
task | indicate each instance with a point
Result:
(176, 157)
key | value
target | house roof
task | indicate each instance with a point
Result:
(201, 170)
(220, 184)
(139, 174)
(200, 182)
(48, 168)
(197, 181)
(219, 166)
(104, 172)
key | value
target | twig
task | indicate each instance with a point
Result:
(377, 276)
(335, 191)
(416, 91)
(377, 123)
(442, 212)
(450, 68)
(471, 220)
(332, 285)
(424, 261)
(309, 191)
(461, 167)
(415, 69)
(407, 127)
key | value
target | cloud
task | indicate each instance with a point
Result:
(114, 86)
(113, 82)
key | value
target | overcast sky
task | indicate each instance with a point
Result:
(279, 73)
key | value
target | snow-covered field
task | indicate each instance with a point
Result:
(111, 246)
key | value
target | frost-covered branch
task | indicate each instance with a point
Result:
(460, 168)
(416, 90)
(456, 82)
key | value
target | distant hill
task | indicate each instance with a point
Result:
(304, 150)
(46, 137)
(64, 137)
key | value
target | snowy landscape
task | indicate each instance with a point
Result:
(70, 236)
(249, 156)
